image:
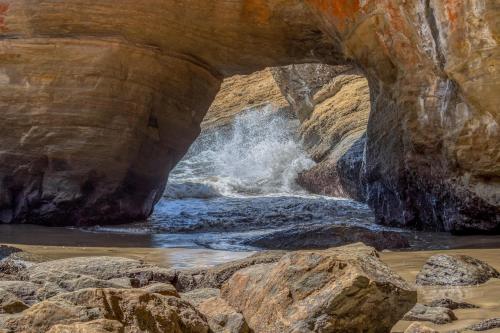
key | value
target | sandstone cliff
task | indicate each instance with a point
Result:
(432, 156)
(333, 104)
(100, 101)
(242, 92)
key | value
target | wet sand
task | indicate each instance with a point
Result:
(407, 264)
(486, 296)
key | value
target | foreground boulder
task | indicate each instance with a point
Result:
(455, 270)
(214, 277)
(345, 289)
(136, 310)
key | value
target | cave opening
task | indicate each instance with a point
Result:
(277, 165)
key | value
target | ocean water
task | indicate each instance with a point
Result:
(239, 182)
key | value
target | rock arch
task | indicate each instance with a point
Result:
(99, 100)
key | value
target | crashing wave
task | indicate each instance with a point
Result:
(259, 155)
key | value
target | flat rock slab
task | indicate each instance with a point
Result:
(455, 270)
(103, 268)
(436, 315)
(326, 236)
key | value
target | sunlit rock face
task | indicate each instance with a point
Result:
(99, 101)
(432, 156)
(333, 105)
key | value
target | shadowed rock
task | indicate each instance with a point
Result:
(9, 303)
(322, 237)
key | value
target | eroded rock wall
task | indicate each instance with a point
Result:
(99, 100)
(333, 104)
(432, 157)
(239, 93)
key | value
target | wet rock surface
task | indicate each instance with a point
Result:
(322, 237)
(410, 148)
(332, 104)
(455, 270)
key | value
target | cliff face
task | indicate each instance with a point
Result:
(100, 101)
(243, 92)
(333, 104)
(432, 156)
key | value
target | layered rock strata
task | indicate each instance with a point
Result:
(333, 105)
(100, 101)
(337, 290)
(432, 154)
